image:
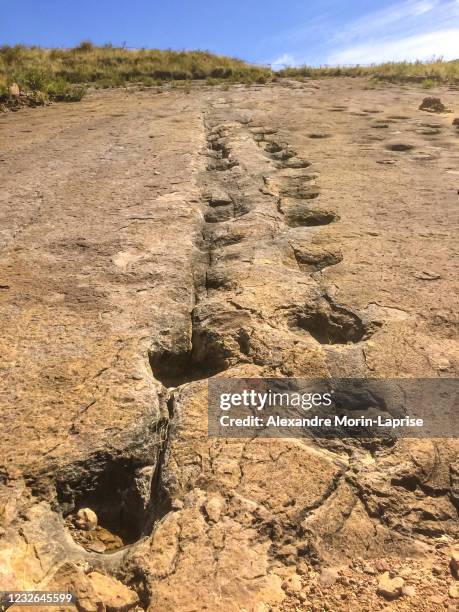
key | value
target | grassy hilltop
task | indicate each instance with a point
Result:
(65, 74)
(428, 73)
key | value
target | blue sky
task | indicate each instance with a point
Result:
(266, 31)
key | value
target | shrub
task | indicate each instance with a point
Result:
(85, 46)
(62, 91)
(428, 83)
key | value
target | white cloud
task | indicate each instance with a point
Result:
(419, 46)
(403, 14)
(403, 30)
(286, 59)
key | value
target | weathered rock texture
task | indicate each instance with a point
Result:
(150, 242)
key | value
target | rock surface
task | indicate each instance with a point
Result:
(152, 241)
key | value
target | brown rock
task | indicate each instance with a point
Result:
(432, 105)
(390, 588)
(453, 591)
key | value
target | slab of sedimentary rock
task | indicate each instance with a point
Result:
(151, 242)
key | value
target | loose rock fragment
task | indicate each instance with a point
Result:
(86, 519)
(432, 105)
(115, 595)
(390, 588)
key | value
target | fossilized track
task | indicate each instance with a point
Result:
(258, 302)
(254, 191)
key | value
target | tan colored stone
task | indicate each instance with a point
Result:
(86, 519)
(390, 588)
(115, 596)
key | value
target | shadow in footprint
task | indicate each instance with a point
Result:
(329, 323)
(399, 146)
(299, 214)
(319, 135)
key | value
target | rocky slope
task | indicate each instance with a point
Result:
(150, 242)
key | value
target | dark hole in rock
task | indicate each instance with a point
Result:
(408, 482)
(329, 323)
(223, 164)
(226, 239)
(430, 132)
(273, 147)
(295, 162)
(217, 215)
(221, 147)
(319, 135)
(205, 359)
(118, 490)
(242, 206)
(218, 199)
(309, 260)
(218, 280)
(284, 155)
(399, 146)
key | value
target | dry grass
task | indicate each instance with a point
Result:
(64, 73)
(435, 72)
